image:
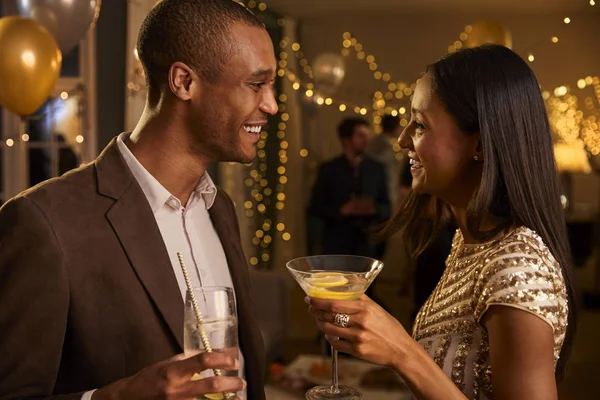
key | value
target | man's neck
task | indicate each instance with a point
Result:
(353, 158)
(164, 151)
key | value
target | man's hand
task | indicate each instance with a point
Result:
(362, 207)
(366, 206)
(172, 380)
(350, 208)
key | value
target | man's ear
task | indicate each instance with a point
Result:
(182, 81)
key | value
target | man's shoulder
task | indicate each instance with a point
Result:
(60, 201)
(333, 163)
(380, 141)
(69, 188)
(373, 163)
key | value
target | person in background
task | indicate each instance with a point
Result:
(350, 195)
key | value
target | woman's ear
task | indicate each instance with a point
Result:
(478, 152)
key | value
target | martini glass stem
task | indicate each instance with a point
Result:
(334, 371)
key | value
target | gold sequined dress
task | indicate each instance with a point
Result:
(516, 270)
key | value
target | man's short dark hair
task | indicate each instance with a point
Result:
(347, 126)
(389, 123)
(194, 32)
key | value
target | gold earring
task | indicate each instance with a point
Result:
(476, 158)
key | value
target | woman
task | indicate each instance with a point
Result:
(500, 321)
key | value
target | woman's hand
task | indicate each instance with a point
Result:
(372, 334)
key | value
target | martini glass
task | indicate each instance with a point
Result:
(334, 277)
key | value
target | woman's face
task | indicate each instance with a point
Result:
(441, 156)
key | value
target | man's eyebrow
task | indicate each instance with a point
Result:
(262, 72)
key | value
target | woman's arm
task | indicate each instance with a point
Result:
(521, 354)
(423, 376)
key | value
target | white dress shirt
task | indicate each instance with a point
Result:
(185, 229)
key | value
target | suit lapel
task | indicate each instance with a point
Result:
(134, 224)
(222, 219)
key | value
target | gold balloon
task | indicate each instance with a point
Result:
(484, 32)
(29, 65)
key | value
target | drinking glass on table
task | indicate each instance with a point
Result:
(335, 277)
(218, 328)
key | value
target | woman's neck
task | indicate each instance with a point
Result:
(460, 215)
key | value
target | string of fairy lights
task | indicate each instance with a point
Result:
(570, 122)
(566, 21)
(382, 100)
(566, 117)
(261, 190)
(462, 38)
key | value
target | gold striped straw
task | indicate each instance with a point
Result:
(203, 335)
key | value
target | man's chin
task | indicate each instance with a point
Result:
(246, 161)
(241, 158)
(247, 158)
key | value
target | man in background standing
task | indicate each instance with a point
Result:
(350, 195)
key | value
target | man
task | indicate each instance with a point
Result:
(381, 148)
(91, 293)
(350, 194)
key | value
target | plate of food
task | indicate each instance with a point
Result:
(317, 369)
(374, 381)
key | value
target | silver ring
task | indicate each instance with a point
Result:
(342, 320)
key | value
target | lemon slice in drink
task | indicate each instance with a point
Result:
(322, 293)
(212, 396)
(326, 279)
(196, 377)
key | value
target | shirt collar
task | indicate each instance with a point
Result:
(156, 193)
(207, 189)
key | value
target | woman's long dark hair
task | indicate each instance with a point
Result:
(490, 90)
